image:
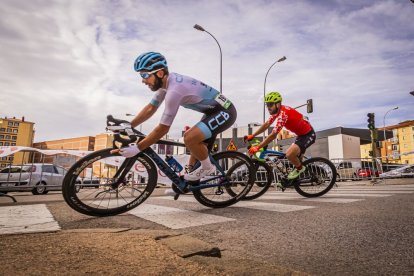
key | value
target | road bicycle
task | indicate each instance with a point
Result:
(120, 184)
(318, 178)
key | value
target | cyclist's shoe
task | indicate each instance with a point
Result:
(199, 173)
(295, 173)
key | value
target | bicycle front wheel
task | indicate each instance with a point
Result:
(104, 184)
(262, 182)
(238, 177)
(318, 178)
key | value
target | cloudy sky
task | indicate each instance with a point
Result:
(65, 65)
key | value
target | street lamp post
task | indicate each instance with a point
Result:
(385, 137)
(264, 89)
(199, 28)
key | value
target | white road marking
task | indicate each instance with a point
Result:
(317, 199)
(26, 219)
(272, 207)
(175, 218)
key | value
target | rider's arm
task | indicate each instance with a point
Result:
(268, 139)
(144, 115)
(261, 129)
(154, 136)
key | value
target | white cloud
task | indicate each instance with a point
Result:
(66, 64)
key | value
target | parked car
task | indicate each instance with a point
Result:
(406, 171)
(347, 170)
(37, 177)
(367, 172)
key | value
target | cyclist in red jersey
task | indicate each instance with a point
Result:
(287, 117)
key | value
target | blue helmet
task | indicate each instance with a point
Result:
(150, 61)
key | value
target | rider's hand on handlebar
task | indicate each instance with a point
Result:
(248, 137)
(129, 151)
(253, 150)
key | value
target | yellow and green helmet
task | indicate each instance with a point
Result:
(273, 97)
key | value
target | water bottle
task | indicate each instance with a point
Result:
(277, 164)
(174, 165)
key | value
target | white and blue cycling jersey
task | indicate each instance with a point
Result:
(189, 93)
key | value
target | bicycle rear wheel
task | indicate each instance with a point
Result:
(103, 184)
(237, 180)
(318, 178)
(263, 180)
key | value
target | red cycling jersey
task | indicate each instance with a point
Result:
(290, 119)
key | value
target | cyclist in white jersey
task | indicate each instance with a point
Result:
(177, 90)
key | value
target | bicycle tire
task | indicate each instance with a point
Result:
(239, 184)
(318, 178)
(263, 180)
(107, 200)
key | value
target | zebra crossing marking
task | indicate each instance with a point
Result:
(175, 218)
(317, 199)
(272, 207)
(27, 219)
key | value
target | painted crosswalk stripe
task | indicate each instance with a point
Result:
(317, 199)
(273, 207)
(26, 219)
(175, 218)
(290, 195)
(372, 192)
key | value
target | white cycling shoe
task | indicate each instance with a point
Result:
(199, 173)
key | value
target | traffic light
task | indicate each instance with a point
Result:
(371, 121)
(309, 105)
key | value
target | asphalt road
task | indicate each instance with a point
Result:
(354, 230)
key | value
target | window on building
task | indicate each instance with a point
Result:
(16, 124)
(15, 130)
(1, 136)
(1, 144)
(13, 144)
(6, 144)
(3, 129)
(10, 124)
(8, 137)
(9, 130)
(14, 138)
(10, 158)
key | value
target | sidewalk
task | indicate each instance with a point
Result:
(122, 252)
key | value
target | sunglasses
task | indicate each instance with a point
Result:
(146, 75)
(270, 104)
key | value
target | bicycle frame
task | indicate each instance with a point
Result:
(180, 183)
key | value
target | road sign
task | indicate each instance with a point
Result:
(231, 146)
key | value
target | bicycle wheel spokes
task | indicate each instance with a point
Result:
(237, 178)
(96, 186)
(318, 179)
(263, 181)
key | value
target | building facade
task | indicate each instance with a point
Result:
(86, 143)
(398, 148)
(15, 132)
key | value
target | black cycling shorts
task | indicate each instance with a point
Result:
(217, 121)
(305, 141)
